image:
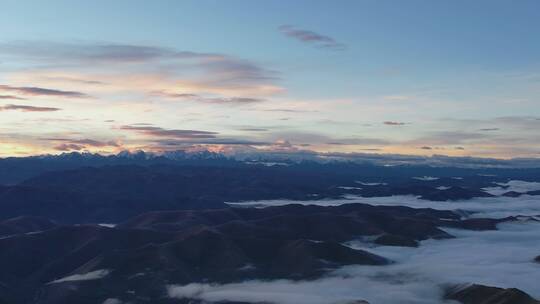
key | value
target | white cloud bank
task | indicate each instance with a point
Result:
(513, 185)
(491, 207)
(502, 258)
(496, 258)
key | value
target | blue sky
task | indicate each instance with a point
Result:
(415, 77)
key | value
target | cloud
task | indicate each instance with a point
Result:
(508, 122)
(170, 133)
(167, 139)
(93, 275)
(396, 97)
(216, 141)
(175, 95)
(289, 110)
(36, 91)
(336, 122)
(513, 186)
(235, 100)
(485, 207)
(500, 258)
(502, 137)
(394, 123)
(426, 148)
(298, 137)
(12, 97)
(27, 108)
(495, 258)
(254, 129)
(311, 37)
(69, 147)
(208, 71)
(215, 100)
(293, 140)
(449, 138)
(358, 141)
(96, 53)
(67, 144)
(74, 80)
(519, 121)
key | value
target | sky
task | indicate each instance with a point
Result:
(421, 77)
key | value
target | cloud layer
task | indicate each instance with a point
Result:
(24, 108)
(178, 89)
(170, 133)
(502, 258)
(497, 258)
(35, 91)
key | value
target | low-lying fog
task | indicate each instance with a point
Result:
(502, 258)
(492, 207)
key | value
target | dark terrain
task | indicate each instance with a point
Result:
(480, 294)
(173, 226)
(76, 188)
(223, 245)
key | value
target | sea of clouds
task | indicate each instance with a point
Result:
(502, 258)
(492, 207)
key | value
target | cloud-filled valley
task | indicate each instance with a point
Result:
(502, 258)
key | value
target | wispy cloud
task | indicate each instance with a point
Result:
(67, 144)
(394, 123)
(289, 110)
(13, 107)
(36, 91)
(311, 37)
(142, 68)
(97, 53)
(396, 97)
(12, 97)
(360, 141)
(74, 80)
(254, 129)
(304, 138)
(170, 133)
(450, 138)
(215, 100)
(69, 147)
(211, 141)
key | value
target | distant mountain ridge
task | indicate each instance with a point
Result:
(16, 169)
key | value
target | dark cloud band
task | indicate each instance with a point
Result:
(170, 133)
(12, 107)
(36, 91)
